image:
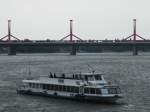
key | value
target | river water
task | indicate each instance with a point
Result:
(131, 73)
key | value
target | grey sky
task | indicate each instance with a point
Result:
(93, 19)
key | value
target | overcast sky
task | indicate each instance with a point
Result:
(93, 19)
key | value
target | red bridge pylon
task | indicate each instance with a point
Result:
(9, 36)
(71, 35)
(134, 35)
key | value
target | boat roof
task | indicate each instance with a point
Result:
(92, 73)
(69, 82)
(52, 81)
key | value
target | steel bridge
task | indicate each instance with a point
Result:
(9, 42)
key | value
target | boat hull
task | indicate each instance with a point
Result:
(80, 97)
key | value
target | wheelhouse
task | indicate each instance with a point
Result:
(91, 76)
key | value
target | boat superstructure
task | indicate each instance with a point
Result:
(82, 86)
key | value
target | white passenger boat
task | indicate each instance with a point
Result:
(81, 86)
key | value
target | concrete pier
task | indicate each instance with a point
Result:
(73, 50)
(11, 50)
(135, 50)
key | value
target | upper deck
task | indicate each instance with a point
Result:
(79, 76)
(78, 79)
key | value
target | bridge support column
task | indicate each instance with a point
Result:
(73, 50)
(11, 50)
(135, 50)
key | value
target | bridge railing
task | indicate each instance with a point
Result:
(75, 41)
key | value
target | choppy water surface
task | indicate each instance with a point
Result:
(132, 73)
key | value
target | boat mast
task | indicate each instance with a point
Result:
(28, 71)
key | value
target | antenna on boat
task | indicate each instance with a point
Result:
(29, 71)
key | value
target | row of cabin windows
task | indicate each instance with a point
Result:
(55, 87)
(92, 90)
(114, 90)
(77, 76)
(96, 77)
(65, 88)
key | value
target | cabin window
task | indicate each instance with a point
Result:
(71, 89)
(98, 77)
(76, 89)
(112, 91)
(51, 87)
(30, 84)
(33, 85)
(86, 78)
(40, 86)
(89, 90)
(76, 76)
(64, 88)
(61, 80)
(68, 88)
(60, 88)
(90, 78)
(98, 91)
(47, 86)
(44, 86)
(80, 77)
(92, 90)
(86, 90)
(36, 85)
(56, 87)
